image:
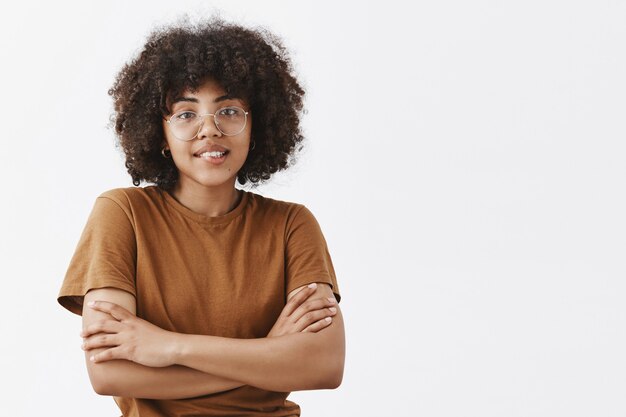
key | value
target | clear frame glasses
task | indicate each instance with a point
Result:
(185, 125)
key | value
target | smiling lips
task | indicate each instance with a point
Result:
(215, 154)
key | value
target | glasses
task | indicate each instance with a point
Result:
(186, 125)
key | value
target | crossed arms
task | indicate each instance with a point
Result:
(133, 358)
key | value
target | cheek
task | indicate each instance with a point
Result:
(180, 151)
(242, 155)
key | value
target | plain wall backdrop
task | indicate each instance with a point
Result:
(466, 161)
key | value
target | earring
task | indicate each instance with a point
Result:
(253, 145)
(168, 155)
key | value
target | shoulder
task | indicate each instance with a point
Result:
(290, 214)
(130, 198)
(126, 195)
(129, 204)
(268, 206)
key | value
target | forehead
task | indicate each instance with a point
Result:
(208, 86)
(209, 91)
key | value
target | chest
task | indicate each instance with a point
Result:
(226, 281)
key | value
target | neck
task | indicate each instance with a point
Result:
(209, 201)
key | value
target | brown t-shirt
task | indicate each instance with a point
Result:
(225, 276)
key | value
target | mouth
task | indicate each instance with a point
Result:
(214, 155)
(211, 154)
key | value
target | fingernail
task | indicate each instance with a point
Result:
(92, 358)
(82, 346)
(331, 300)
(332, 309)
(313, 285)
(91, 303)
(328, 319)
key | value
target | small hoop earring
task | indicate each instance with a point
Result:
(253, 145)
(164, 154)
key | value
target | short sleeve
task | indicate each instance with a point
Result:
(105, 255)
(307, 256)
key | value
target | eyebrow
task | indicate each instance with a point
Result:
(195, 100)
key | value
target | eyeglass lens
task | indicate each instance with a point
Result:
(187, 124)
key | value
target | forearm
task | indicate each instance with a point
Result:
(295, 361)
(300, 361)
(122, 378)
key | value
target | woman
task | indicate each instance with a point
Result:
(199, 298)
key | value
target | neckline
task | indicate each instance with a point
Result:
(201, 218)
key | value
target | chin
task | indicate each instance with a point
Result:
(218, 179)
(210, 176)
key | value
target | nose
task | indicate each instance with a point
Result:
(208, 128)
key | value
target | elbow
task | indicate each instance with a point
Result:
(321, 377)
(100, 385)
(333, 376)
(101, 390)
(330, 380)
(101, 378)
(337, 378)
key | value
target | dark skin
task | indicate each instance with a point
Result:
(302, 313)
(207, 185)
(254, 69)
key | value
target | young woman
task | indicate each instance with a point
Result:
(199, 298)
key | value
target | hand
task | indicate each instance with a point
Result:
(302, 314)
(128, 337)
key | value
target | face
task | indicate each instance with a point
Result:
(211, 159)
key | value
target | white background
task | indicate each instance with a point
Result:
(466, 161)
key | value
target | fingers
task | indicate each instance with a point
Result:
(311, 305)
(102, 326)
(118, 312)
(100, 341)
(298, 299)
(314, 316)
(319, 325)
(102, 333)
(107, 355)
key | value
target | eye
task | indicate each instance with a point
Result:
(183, 116)
(230, 112)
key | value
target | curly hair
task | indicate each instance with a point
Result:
(251, 64)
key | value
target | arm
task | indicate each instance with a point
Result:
(125, 378)
(128, 379)
(297, 361)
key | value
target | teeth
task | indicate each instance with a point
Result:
(214, 154)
